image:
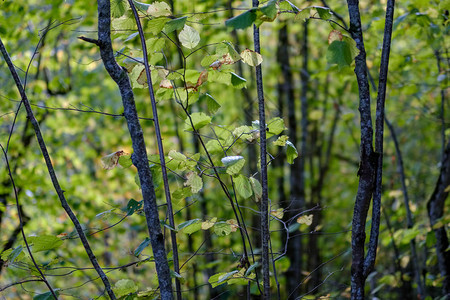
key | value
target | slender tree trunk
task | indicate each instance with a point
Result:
(264, 208)
(370, 170)
(139, 157)
(435, 206)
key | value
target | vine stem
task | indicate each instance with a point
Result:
(51, 171)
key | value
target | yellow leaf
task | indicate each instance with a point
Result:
(307, 220)
(233, 224)
(251, 57)
(278, 213)
(209, 223)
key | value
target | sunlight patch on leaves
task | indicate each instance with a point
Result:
(189, 37)
(194, 181)
(233, 164)
(251, 57)
(305, 219)
(243, 186)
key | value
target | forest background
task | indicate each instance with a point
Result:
(87, 209)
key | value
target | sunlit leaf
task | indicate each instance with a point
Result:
(270, 9)
(243, 186)
(222, 228)
(156, 25)
(275, 126)
(305, 219)
(124, 287)
(199, 120)
(209, 223)
(118, 8)
(194, 181)
(191, 226)
(251, 57)
(256, 187)
(44, 242)
(291, 152)
(281, 141)
(159, 9)
(189, 37)
(278, 213)
(233, 164)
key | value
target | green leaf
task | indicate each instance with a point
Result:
(182, 193)
(213, 146)
(281, 141)
(243, 186)
(243, 20)
(124, 287)
(191, 226)
(251, 57)
(199, 120)
(141, 6)
(339, 53)
(237, 81)
(156, 25)
(256, 187)
(159, 9)
(222, 228)
(270, 9)
(189, 37)
(175, 24)
(276, 126)
(46, 295)
(173, 154)
(304, 14)
(141, 247)
(194, 181)
(291, 152)
(252, 267)
(118, 8)
(44, 242)
(219, 76)
(12, 254)
(214, 279)
(133, 206)
(212, 104)
(155, 44)
(125, 22)
(324, 12)
(125, 161)
(233, 164)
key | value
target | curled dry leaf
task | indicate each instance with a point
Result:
(233, 224)
(111, 161)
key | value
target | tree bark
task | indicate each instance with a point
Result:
(139, 157)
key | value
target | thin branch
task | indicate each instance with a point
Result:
(52, 173)
(16, 196)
